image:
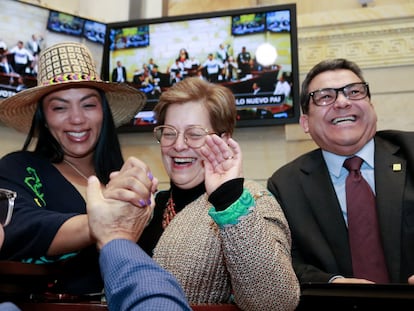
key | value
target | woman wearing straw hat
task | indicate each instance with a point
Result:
(70, 118)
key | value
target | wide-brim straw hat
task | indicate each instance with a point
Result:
(65, 65)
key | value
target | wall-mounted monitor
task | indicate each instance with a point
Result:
(244, 24)
(255, 49)
(278, 21)
(65, 23)
(94, 31)
(129, 37)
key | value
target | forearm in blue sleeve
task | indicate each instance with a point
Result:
(134, 281)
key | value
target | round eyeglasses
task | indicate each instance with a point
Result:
(327, 96)
(194, 136)
(7, 198)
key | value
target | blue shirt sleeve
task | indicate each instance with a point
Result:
(8, 306)
(134, 281)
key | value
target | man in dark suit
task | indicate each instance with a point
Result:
(5, 66)
(119, 73)
(340, 118)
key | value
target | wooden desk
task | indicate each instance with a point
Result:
(25, 285)
(366, 297)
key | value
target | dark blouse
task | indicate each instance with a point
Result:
(45, 200)
(223, 197)
(181, 197)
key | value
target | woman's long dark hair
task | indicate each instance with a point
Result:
(107, 155)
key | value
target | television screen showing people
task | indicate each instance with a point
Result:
(94, 31)
(220, 47)
(65, 23)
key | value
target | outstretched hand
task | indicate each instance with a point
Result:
(111, 219)
(122, 208)
(134, 183)
(222, 161)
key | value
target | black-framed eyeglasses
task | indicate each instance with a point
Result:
(327, 96)
(7, 198)
(194, 136)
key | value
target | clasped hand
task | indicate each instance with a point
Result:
(123, 207)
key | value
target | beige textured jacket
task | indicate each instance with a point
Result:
(249, 261)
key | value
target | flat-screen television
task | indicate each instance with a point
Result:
(254, 51)
(65, 23)
(94, 31)
(129, 37)
(244, 24)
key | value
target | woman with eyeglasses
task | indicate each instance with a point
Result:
(224, 238)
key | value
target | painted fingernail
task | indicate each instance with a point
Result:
(142, 203)
(148, 201)
(150, 176)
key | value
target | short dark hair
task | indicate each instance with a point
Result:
(326, 65)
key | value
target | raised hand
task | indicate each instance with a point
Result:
(222, 161)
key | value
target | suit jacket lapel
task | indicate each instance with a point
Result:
(390, 185)
(327, 212)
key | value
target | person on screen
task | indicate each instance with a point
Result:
(21, 84)
(185, 62)
(183, 55)
(177, 78)
(243, 62)
(156, 78)
(213, 69)
(142, 83)
(70, 119)
(230, 69)
(176, 67)
(34, 45)
(224, 238)
(119, 73)
(22, 58)
(341, 119)
(256, 88)
(282, 87)
(3, 47)
(151, 64)
(5, 66)
(222, 53)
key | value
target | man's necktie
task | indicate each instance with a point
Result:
(368, 260)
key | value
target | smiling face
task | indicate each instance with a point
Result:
(345, 126)
(74, 118)
(182, 163)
